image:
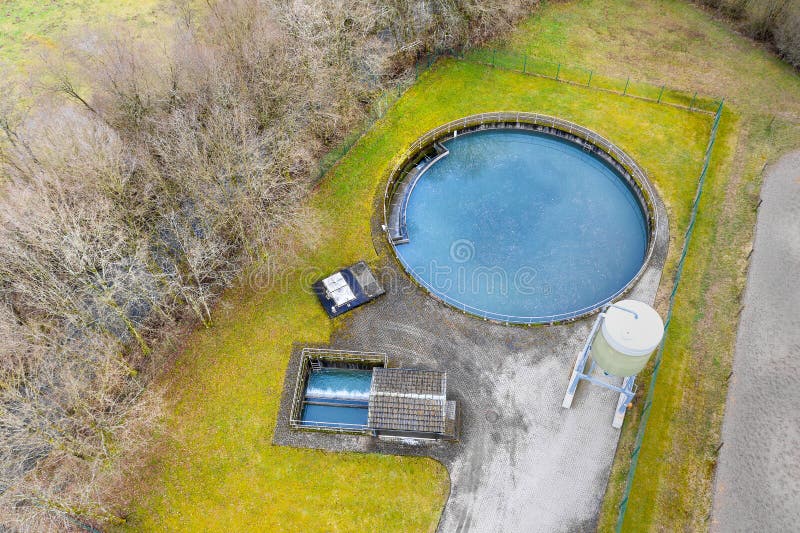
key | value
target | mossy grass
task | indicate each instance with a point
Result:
(220, 469)
(673, 43)
(220, 472)
(30, 29)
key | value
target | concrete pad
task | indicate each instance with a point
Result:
(523, 462)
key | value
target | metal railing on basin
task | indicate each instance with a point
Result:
(518, 119)
(512, 117)
(329, 355)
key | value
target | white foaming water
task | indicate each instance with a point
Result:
(339, 394)
(339, 384)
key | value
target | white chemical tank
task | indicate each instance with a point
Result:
(626, 341)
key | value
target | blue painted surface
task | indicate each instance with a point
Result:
(337, 398)
(523, 227)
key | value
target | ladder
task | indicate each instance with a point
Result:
(316, 366)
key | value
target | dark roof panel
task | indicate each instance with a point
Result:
(409, 380)
(408, 400)
(366, 280)
(347, 289)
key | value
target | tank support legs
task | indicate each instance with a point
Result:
(625, 398)
(579, 373)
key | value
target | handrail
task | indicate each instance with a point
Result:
(521, 117)
(513, 319)
(330, 355)
(320, 423)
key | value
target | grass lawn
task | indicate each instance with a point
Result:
(672, 487)
(218, 470)
(675, 43)
(29, 28)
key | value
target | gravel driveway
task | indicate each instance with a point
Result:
(523, 463)
(758, 478)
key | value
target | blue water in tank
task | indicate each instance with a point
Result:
(328, 415)
(341, 383)
(522, 227)
(337, 397)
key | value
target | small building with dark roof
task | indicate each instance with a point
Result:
(400, 402)
(347, 289)
(410, 402)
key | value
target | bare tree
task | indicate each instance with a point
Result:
(774, 21)
(134, 198)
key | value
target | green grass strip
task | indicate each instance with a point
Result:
(623, 506)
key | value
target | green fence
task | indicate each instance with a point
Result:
(585, 77)
(659, 94)
(623, 506)
(580, 76)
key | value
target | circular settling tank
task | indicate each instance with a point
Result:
(520, 226)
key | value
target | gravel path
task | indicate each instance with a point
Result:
(758, 478)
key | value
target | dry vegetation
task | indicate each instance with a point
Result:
(773, 21)
(138, 180)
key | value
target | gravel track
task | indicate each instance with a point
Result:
(757, 485)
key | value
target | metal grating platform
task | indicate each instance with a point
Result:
(397, 229)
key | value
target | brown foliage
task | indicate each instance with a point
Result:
(773, 21)
(133, 197)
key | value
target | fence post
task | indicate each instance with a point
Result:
(558, 71)
(589, 83)
(640, 432)
(661, 93)
(627, 82)
(525, 64)
(691, 106)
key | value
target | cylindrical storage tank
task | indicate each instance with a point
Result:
(625, 342)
